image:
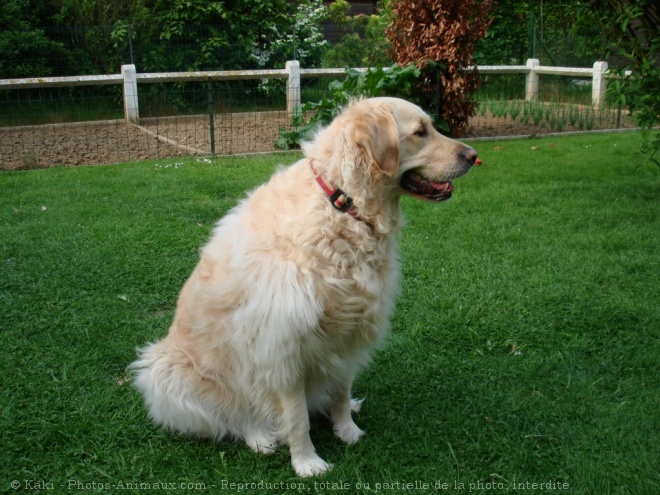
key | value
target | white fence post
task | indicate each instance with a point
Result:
(292, 86)
(131, 109)
(532, 80)
(599, 84)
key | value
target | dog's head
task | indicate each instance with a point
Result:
(378, 149)
(395, 139)
(403, 144)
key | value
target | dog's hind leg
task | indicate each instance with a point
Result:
(261, 440)
(356, 405)
(340, 413)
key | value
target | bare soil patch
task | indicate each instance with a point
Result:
(115, 141)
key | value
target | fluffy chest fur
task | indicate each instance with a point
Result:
(336, 273)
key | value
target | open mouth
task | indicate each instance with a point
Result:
(425, 188)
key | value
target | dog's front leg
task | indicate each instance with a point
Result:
(343, 425)
(295, 431)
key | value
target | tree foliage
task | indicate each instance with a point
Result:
(439, 37)
(508, 35)
(564, 34)
(201, 34)
(632, 27)
(25, 50)
(69, 37)
(297, 39)
(363, 43)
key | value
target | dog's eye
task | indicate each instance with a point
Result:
(421, 132)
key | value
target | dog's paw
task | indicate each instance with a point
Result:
(261, 443)
(348, 432)
(310, 466)
(356, 405)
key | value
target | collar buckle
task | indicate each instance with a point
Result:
(340, 200)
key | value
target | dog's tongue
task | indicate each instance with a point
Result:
(429, 187)
(438, 187)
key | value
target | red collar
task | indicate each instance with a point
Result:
(338, 198)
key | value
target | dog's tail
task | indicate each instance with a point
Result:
(177, 396)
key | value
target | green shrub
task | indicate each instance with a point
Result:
(390, 81)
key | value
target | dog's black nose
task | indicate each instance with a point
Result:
(470, 155)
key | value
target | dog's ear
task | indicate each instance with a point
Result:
(378, 135)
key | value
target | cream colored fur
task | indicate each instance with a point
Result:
(291, 296)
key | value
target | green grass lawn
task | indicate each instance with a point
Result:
(524, 348)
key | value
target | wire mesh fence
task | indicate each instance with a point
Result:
(47, 126)
(61, 126)
(563, 104)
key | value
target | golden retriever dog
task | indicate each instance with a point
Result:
(295, 287)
